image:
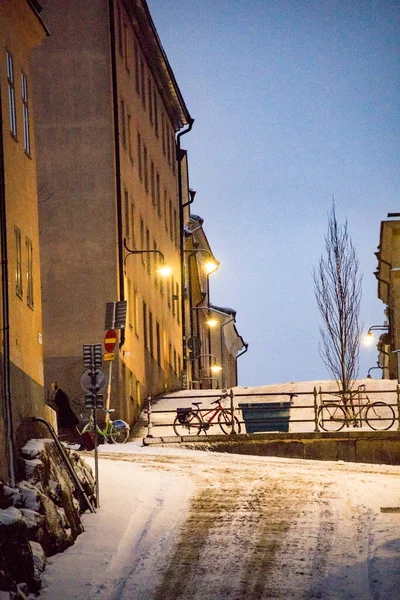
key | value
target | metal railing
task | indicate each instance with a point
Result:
(319, 398)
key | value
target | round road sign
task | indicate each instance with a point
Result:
(110, 339)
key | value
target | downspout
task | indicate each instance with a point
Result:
(117, 163)
(246, 347)
(181, 238)
(6, 379)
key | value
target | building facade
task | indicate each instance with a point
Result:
(213, 342)
(388, 276)
(109, 120)
(21, 372)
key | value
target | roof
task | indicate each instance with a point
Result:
(157, 60)
(37, 9)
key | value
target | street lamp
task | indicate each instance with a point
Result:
(369, 338)
(164, 270)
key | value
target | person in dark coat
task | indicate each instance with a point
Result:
(66, 418)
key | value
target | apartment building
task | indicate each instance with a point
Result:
(21, 349)
(388, 276)
(213, 342)
(109, 119)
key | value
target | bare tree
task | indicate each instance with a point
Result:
(337, 286)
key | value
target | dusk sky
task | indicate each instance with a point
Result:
(294, 102)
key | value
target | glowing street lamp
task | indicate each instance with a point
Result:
(215, 369)
(369, 339)
(164, 270)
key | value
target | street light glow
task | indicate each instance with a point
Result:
(215, 369)
(211, 266)
(211, 322)
(369, 339)
(164, 270)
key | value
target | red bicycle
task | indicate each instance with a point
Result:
(192, 421)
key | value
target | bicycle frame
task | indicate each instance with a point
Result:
(215, 412)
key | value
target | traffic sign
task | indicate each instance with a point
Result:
(110, 339)
(108, 356)
(100, 380)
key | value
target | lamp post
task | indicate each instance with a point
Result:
(164, 269)
(369, 338)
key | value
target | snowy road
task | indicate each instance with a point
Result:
(201, 526)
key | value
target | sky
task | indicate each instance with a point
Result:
(295, 103)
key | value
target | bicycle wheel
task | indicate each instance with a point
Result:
(379, 416)
(225, 422)
(191, 425)
(331, 417)
(89, 428)
(119, 434)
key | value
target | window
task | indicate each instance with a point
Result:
(165, 210)
(123, 123)
(145, 336)
(138, 400)
(145, 168)
(172, 297)
(163, 132)
(136, 312)
(152, 183)
(142, 238)
(168, 293)
(18, 262)
(171, 224)
(11, 94)
(139, 151)
(168, 145)
(170, 355)
(177, 302)
(126, 209)
(130, 138)
(29, 272)
(126, 46)
(133, 235)
(158, 193)
(156, 259)
(130, 304)
(119, 30)
(150, 97)
(25, 113)
(143, 82)
(148, 248)
(158, 343)
(155, 110)
(151, 345)
(175, 363)
(176, 227)
(137, 73)
(173, 153)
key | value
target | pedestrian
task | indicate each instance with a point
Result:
(67, 420)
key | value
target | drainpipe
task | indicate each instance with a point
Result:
(6, 380)
(117, 162)
(246, 347)
(181, 238)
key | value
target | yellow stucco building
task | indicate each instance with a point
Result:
(112, 177)
(21, 29)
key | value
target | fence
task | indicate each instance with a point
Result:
(307, 409)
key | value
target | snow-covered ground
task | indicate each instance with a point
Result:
(180, 524)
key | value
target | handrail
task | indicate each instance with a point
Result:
(67, 461)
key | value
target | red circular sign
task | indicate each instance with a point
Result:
(110, 339)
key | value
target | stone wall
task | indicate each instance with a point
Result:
(40, 516)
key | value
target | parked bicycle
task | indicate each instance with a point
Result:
(116, 432)
(192, 421)
(333, 415)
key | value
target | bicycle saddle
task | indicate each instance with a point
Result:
(196, 403)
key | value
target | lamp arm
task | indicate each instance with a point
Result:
(142, 252)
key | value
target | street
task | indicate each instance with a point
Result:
(200, 526)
